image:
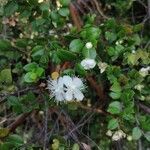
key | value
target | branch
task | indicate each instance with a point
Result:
(98, 88)
(18, 121)
(75, 16)
(100, 111)
(144, 108)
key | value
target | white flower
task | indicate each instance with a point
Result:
(102, 66)
(88, 45)
(56, 88)
(118, 135)
(88, 63)
(66, 88)
(144, 71)
(109, 133)
(73, 88)
(139, 87)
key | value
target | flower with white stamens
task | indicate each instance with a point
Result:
(88, 45)
(88, 63)
(56, 88)
(73, 88)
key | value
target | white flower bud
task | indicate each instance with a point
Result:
(41, 112)
(88, 45)
(88, 63)
(133, 51)
(70, 25)
(40, 1)
(129, 138)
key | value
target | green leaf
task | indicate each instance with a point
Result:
(30, 77)
(39, 71)
(56, 144)
(65, 55)
(10, 8)
(111, 51)
(21, 43)
(30, 67)
(132, 59)
(13, 101)
(116, 87)
(64, 12)
(6, 76)
(115, 107)
(110, 36)
(76, 45)
(80, 70)
(91, 34)
(40, 21)
(75, 147)
(5, 45)
(64, 2)
(33, 2)
(115, 95)
(89, 53)
(113, 124)
(37, 52)
(119, 48)
(136, 133)
(44, 6)
(147, 136)
(4, 132)
(16, 140)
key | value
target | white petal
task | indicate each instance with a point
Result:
(59, 97)
(77, 82)
(88, 63)
(67, 80)
(78, 94)
(60, 82)
(69, 95)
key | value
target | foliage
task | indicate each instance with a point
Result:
(38, 41)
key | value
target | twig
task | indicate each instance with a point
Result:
(144, 108)
(75, 16)
(4, 30)
(45, 126)
(3, 97)
(98, 89)
(149, 9)
(142, 3)
(18, 121)
(99, 10)
(100, 111)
